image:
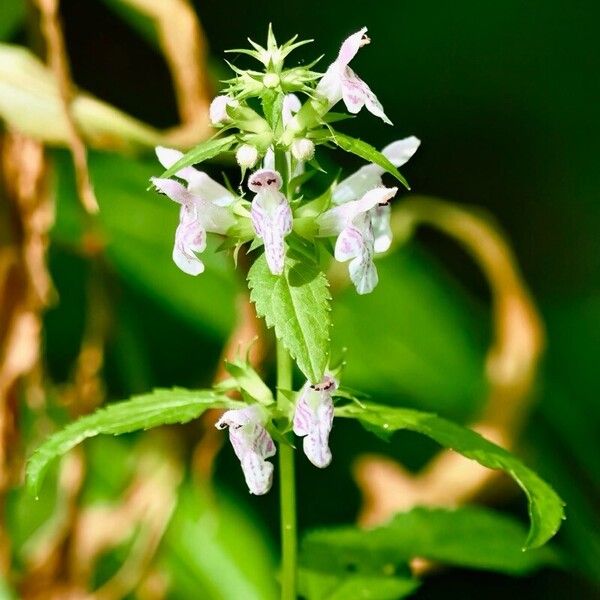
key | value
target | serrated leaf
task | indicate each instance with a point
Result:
(296, 304)
(201, 152)
(545, 506)
(161, 407)
(362, 149)
(322, 585)
(471, 537)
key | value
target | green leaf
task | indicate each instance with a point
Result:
(249, 381)
(30, 102)
(215, 548)
(296, 304)
(12, 17)
(161, 407)
(470, 537)
(201, 152)
(322, 585)
(545, 506)
(246, 119)
(425, 332)
(362, 149)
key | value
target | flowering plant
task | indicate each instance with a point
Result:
(275, 121)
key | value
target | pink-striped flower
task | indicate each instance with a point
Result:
(369, 177)
(252, 445)
(205, 207)
(271, 216)
(340, 82)
(351, 223)
(313, 419)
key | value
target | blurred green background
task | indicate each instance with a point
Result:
(506, 102)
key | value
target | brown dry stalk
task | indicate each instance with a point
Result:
(183, 44)
(143, 515)
(27, 214)
(511, 366)
(85, 391)
(45, 576)
(59, 64)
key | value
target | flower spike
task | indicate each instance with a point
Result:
(340, 82)
(271, 216)
(313, 419)
(252, 445)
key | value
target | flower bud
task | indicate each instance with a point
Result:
(246, 156)
(218, 109)
(303, 149)
(271, 80)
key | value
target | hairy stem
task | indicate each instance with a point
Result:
(287, 488)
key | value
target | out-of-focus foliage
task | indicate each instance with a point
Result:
(501, 95)
(468, 537)
(545, 507)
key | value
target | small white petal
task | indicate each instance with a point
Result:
(190, 237)
(269, 159)
(173, 190)
(353, 91)
(291, 105)
(356, 243)
(217, 111)
(363, 274)
(340, 81)
(400, 151)
(374, 106)
(252, 444)
(209, 189)
(333, 221)
(272, 221)
(330, 85)
(246, 156)
(351, 45)
(358, 184)
(382, 230)
(349, 244)
(303, 149)
(313, 419)
(264, 179)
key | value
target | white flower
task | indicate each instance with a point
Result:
(291, 105)
(351, 222)
(246, 156)
(271, 216)
(252, 444)
(303, 149)
(204, 208)
(340, 82)
(217, 111)
(369, 177)
(313, 419)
